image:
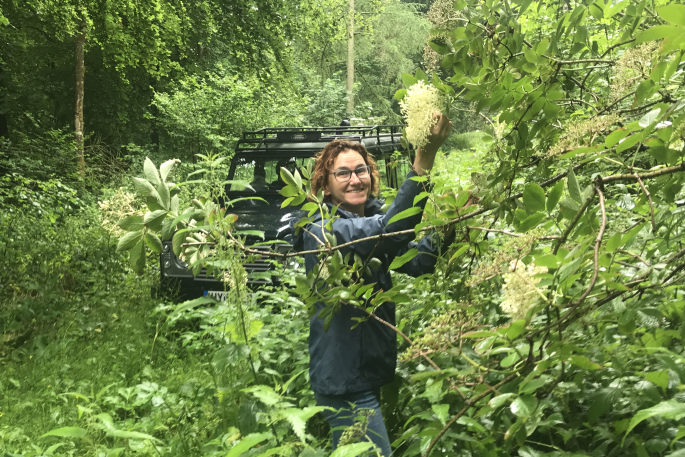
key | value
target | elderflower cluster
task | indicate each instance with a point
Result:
(418, 106)
(119, 206)
(632, 67)
(520, 290)
(578, 134)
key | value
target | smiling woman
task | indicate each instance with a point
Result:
(337, 173)
(351, 358)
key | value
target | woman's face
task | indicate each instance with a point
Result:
(350, 195)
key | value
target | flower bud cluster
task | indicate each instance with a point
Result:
(520, 290)
(418, 106)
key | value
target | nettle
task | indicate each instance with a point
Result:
(554, 326)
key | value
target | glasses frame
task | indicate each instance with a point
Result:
(337, 173)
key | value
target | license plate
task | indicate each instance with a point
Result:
(218, 295)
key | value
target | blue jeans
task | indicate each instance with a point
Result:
(347, 407)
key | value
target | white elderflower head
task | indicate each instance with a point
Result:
(418, 106)
(520, 290)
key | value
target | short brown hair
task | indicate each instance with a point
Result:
(325, 159)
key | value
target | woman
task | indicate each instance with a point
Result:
(349, 365)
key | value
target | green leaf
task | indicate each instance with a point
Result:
(614, 242)
(439, 48)
(549, 261)
(151, 171)
(573, 187)
(673, 66)
(554, 196)
(499, 400)
(532, 385)
(190, 304)
(409, 212)
(137, 258)
(616, 136)
(132, 223)
(524, 406)
(155, 219)
(530, 55)
(164, 196)
(531, 222)
(129, 240)
(649, 118)
(67, 432)
(569, 208)
(249, 441)
(144, 188)
(671, 409)
(672, 13)
(584, 363)
(178, 239)
(166, 168)
(288, 178)
(351, 450)
(533, 198)
(645, 89)
(404, 258)
(541, 48)
(400, 94)
(154, 243)
(657, 33)
(408, 80)
(462, 198)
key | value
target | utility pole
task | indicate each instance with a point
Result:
(350, 61)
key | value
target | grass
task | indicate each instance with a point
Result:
(461, 155)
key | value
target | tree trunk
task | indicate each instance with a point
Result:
(4, 128)
(80, 70)
(350, 61)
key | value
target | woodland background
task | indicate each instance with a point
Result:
(568, 126)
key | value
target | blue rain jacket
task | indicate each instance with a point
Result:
(345, 359)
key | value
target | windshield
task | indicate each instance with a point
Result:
(263, 174)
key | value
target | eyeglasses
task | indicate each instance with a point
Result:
(345, 175)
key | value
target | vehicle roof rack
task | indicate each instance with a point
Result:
(378, 139)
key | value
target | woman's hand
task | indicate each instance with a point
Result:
(425, 157)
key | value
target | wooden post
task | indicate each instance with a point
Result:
(350, 61)
(80, 71)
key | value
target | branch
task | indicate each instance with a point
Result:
(653, 174)
(651, 203)
(572, 224)
(463, 411)
(598, 241)
(607, 108)
(582, 86)
(573, 62)
(611, 48)
(576, 100)
(411, 343)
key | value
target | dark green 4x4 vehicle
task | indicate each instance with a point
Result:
(258, 158)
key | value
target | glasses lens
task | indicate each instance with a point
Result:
(362, 172)
(342, 175)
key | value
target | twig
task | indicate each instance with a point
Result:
(577, 100)
(463, 411)
(411, 343)
(572, 224)
(611, 48)
(653, 174)
(607, 108)
(623, 251)
(573, 62)
(651, 203)
(583, 87)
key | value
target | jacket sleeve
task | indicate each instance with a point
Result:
(429, 248)
(346, 230)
